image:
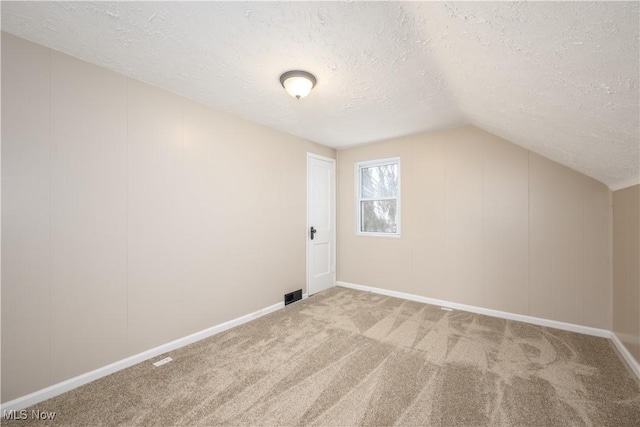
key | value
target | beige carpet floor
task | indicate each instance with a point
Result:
(344, 357)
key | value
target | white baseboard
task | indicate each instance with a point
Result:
(603, 333)
(633, 363)
(70, 384)
(487, 311)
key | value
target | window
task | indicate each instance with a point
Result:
(378, 197)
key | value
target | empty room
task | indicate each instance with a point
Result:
(320, 213)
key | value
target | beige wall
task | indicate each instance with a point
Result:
(626, 268)
(132, 216)
(485, 223)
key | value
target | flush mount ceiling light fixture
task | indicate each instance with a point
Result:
(298, 83)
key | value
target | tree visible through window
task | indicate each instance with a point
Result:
(378, 193)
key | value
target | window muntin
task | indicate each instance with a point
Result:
(378, 197)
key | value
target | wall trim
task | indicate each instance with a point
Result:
(75, 382)
(633, 364)
(486, 311)
(603, 333)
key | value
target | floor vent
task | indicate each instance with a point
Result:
(292, 297)
(162, 362)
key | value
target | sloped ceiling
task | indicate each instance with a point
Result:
(558, 78)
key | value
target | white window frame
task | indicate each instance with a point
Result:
(367, 164)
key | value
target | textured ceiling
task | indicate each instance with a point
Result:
(560, 79)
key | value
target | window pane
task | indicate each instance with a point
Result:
(379, 216)
(379, 181)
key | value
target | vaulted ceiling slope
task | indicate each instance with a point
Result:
(558, 78)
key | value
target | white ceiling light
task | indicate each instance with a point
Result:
(298, 83)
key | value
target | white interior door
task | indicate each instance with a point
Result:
(321, 248)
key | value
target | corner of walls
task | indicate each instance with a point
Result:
(485, 223)
(603, 333)
(633, 364)
(626, 270)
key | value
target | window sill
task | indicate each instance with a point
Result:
(394, 236)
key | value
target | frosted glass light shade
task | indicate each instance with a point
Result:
(298, 83)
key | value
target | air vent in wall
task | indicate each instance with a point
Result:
(293, 297)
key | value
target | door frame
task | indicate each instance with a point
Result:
(333, 221)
